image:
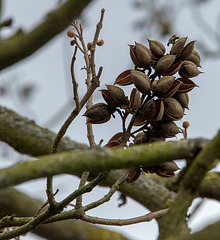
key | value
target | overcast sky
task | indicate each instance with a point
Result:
(48, 70)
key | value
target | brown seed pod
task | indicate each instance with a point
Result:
(163, 85)
(186, 85)
(189, 69)
(140, 55)
(173, 110)
(178, 46)
(141, 81)
(187, 51)
(135, 99)
(165, 129)
(153, 110)
(195, 57)
(183, 99)
(133, 175)
(98, 113)
(157, 48)
(124, 78)
(164, 63)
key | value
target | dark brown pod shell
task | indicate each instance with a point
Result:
(164, 63)
(165, 129)
(187, 51)
(153, 110)
(188, 70)
(135, 99)
(178, 46)
(183, 99)
(157, 48)
(124, 78)
(186, 85)
(98, 113)
(133, 175)
(173, 110)
(163, 85)
(117, 94)
(195, 57)
(141, 81)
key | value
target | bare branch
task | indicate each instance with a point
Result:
(122, 222)
(23, 45)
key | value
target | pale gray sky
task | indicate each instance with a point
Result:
(49, 70)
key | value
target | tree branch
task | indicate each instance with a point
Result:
(188, 189)
(15, 202)
(98, 159)
(23, 45)
(26, 137)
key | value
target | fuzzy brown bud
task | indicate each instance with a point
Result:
(100, 42)
(70, 34)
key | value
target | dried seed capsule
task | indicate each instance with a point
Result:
(157, 48)
(114, 96)
(153, 110)
(98, 113)
(166, 169)
(70, 33)
(189, 69)
(165, 129)
(187, 50)
(140, 55)
(141, 81)
(135, 99)
(186, 85)
(178, 46)
(173, 110)
(163, 85)
(183, 99)
(195, 57)
(164, 63)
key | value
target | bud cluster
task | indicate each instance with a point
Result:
(159, 98)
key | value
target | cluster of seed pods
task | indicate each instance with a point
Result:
(161, 83)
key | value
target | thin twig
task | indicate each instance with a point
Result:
(75, 112)
(108, 196)
(98, 29)
(75, 84)
(122, 222)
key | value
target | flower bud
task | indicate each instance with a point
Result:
(141, 81)
(98, 113)
(157, 48)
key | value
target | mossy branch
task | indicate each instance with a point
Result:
(98, 159)
(188, 189)
(22, 45)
